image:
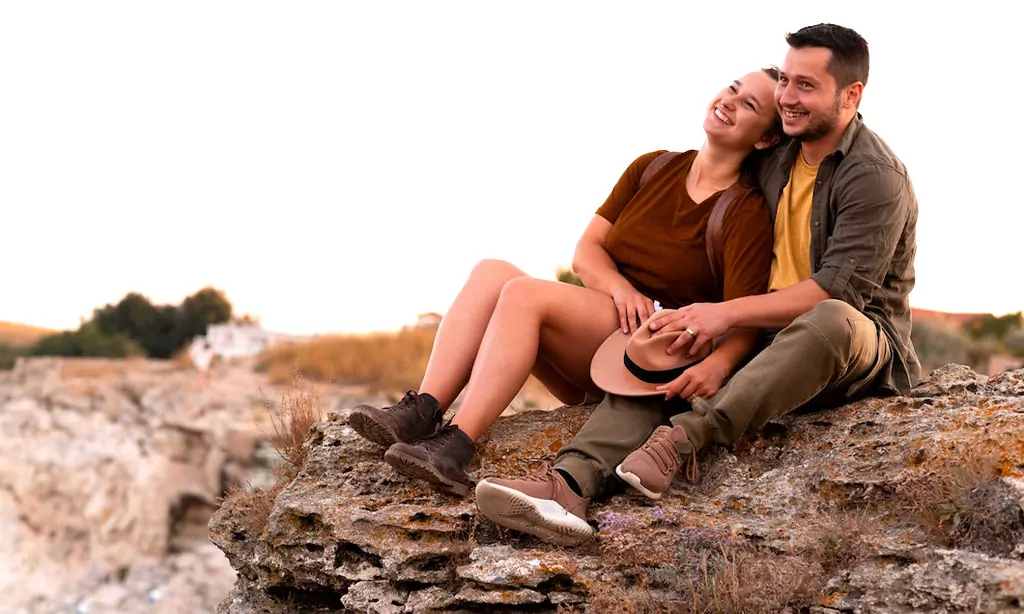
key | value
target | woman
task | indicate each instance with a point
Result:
(644, 244)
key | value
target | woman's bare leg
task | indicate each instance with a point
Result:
(566, 321)
(462, 329)
(564, 390)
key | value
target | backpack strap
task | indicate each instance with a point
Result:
(656, 165)
(715, 238)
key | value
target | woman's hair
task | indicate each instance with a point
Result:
(776, 127)
(748, 168)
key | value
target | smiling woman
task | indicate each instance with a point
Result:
(646, 243)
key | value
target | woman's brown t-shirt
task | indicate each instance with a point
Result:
(658, 237)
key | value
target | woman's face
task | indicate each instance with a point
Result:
(741, 114)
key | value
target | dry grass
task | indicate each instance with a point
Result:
(253, 506)
(299, 409)
(736, 578)
(664, 562)
(381, 361)
(21, 335)
(964, 503)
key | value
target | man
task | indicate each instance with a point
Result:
(845, 218)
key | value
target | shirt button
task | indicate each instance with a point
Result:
(818, 182)
(851, 260)
(817, 223)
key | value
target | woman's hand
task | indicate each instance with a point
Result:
(634, 308)
(701, 380)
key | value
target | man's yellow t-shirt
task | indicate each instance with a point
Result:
(791, 262)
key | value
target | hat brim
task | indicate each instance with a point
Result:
(610, 374)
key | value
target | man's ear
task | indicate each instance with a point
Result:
(852, 94)
(770, 139)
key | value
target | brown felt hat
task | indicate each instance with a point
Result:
(635, 365)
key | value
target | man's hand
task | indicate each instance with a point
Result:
(700, 323)
(632, 306)
(701, 380)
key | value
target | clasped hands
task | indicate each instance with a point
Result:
(701, 324)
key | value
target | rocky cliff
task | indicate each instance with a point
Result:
(110, 471)
(907, 504)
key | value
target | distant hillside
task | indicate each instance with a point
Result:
(21, 334)
(920, 315)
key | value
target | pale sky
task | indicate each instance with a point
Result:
(340, 166)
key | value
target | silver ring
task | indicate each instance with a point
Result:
(692, 334)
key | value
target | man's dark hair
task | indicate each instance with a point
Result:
(850, 60)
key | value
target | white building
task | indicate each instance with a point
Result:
(230, 340)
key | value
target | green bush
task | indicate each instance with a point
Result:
(568, 276)
(88, 340)
(994, 327)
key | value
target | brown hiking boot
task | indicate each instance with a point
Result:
(541, 505)
(412, 418)
(440, 459)
(651, 468)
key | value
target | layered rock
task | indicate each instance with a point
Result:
(904, 504)
(110, 472)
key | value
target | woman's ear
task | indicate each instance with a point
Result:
(770, 139)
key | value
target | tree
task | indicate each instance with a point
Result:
(205, 307)
(154, 328)
(136, 326)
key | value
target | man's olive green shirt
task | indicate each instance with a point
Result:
(863, 235)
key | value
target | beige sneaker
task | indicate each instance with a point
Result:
(652, 467)
(541, 505)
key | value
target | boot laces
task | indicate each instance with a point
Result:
(560, 491)
(666, 456)
(411, 401)
(438, 439)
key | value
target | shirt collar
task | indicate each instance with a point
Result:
(792, 148)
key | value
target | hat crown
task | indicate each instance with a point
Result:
(648, 350)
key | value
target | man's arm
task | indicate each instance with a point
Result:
(776, 309)
(875, 201)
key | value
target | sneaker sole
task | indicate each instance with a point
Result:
(413, 467)
(371, 430)
(634, 480)
(540, 517)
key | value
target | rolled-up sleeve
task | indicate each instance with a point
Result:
(876, 201)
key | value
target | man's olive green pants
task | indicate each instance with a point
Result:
(828, 356)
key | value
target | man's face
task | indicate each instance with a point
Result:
(806, 94)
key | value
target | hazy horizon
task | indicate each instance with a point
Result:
(340, 168)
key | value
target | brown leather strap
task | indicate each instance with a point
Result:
(715, 239)
(657, 164)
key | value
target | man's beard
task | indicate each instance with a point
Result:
(820, 127)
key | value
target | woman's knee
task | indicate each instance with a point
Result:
(522, 292)
(494, 269)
